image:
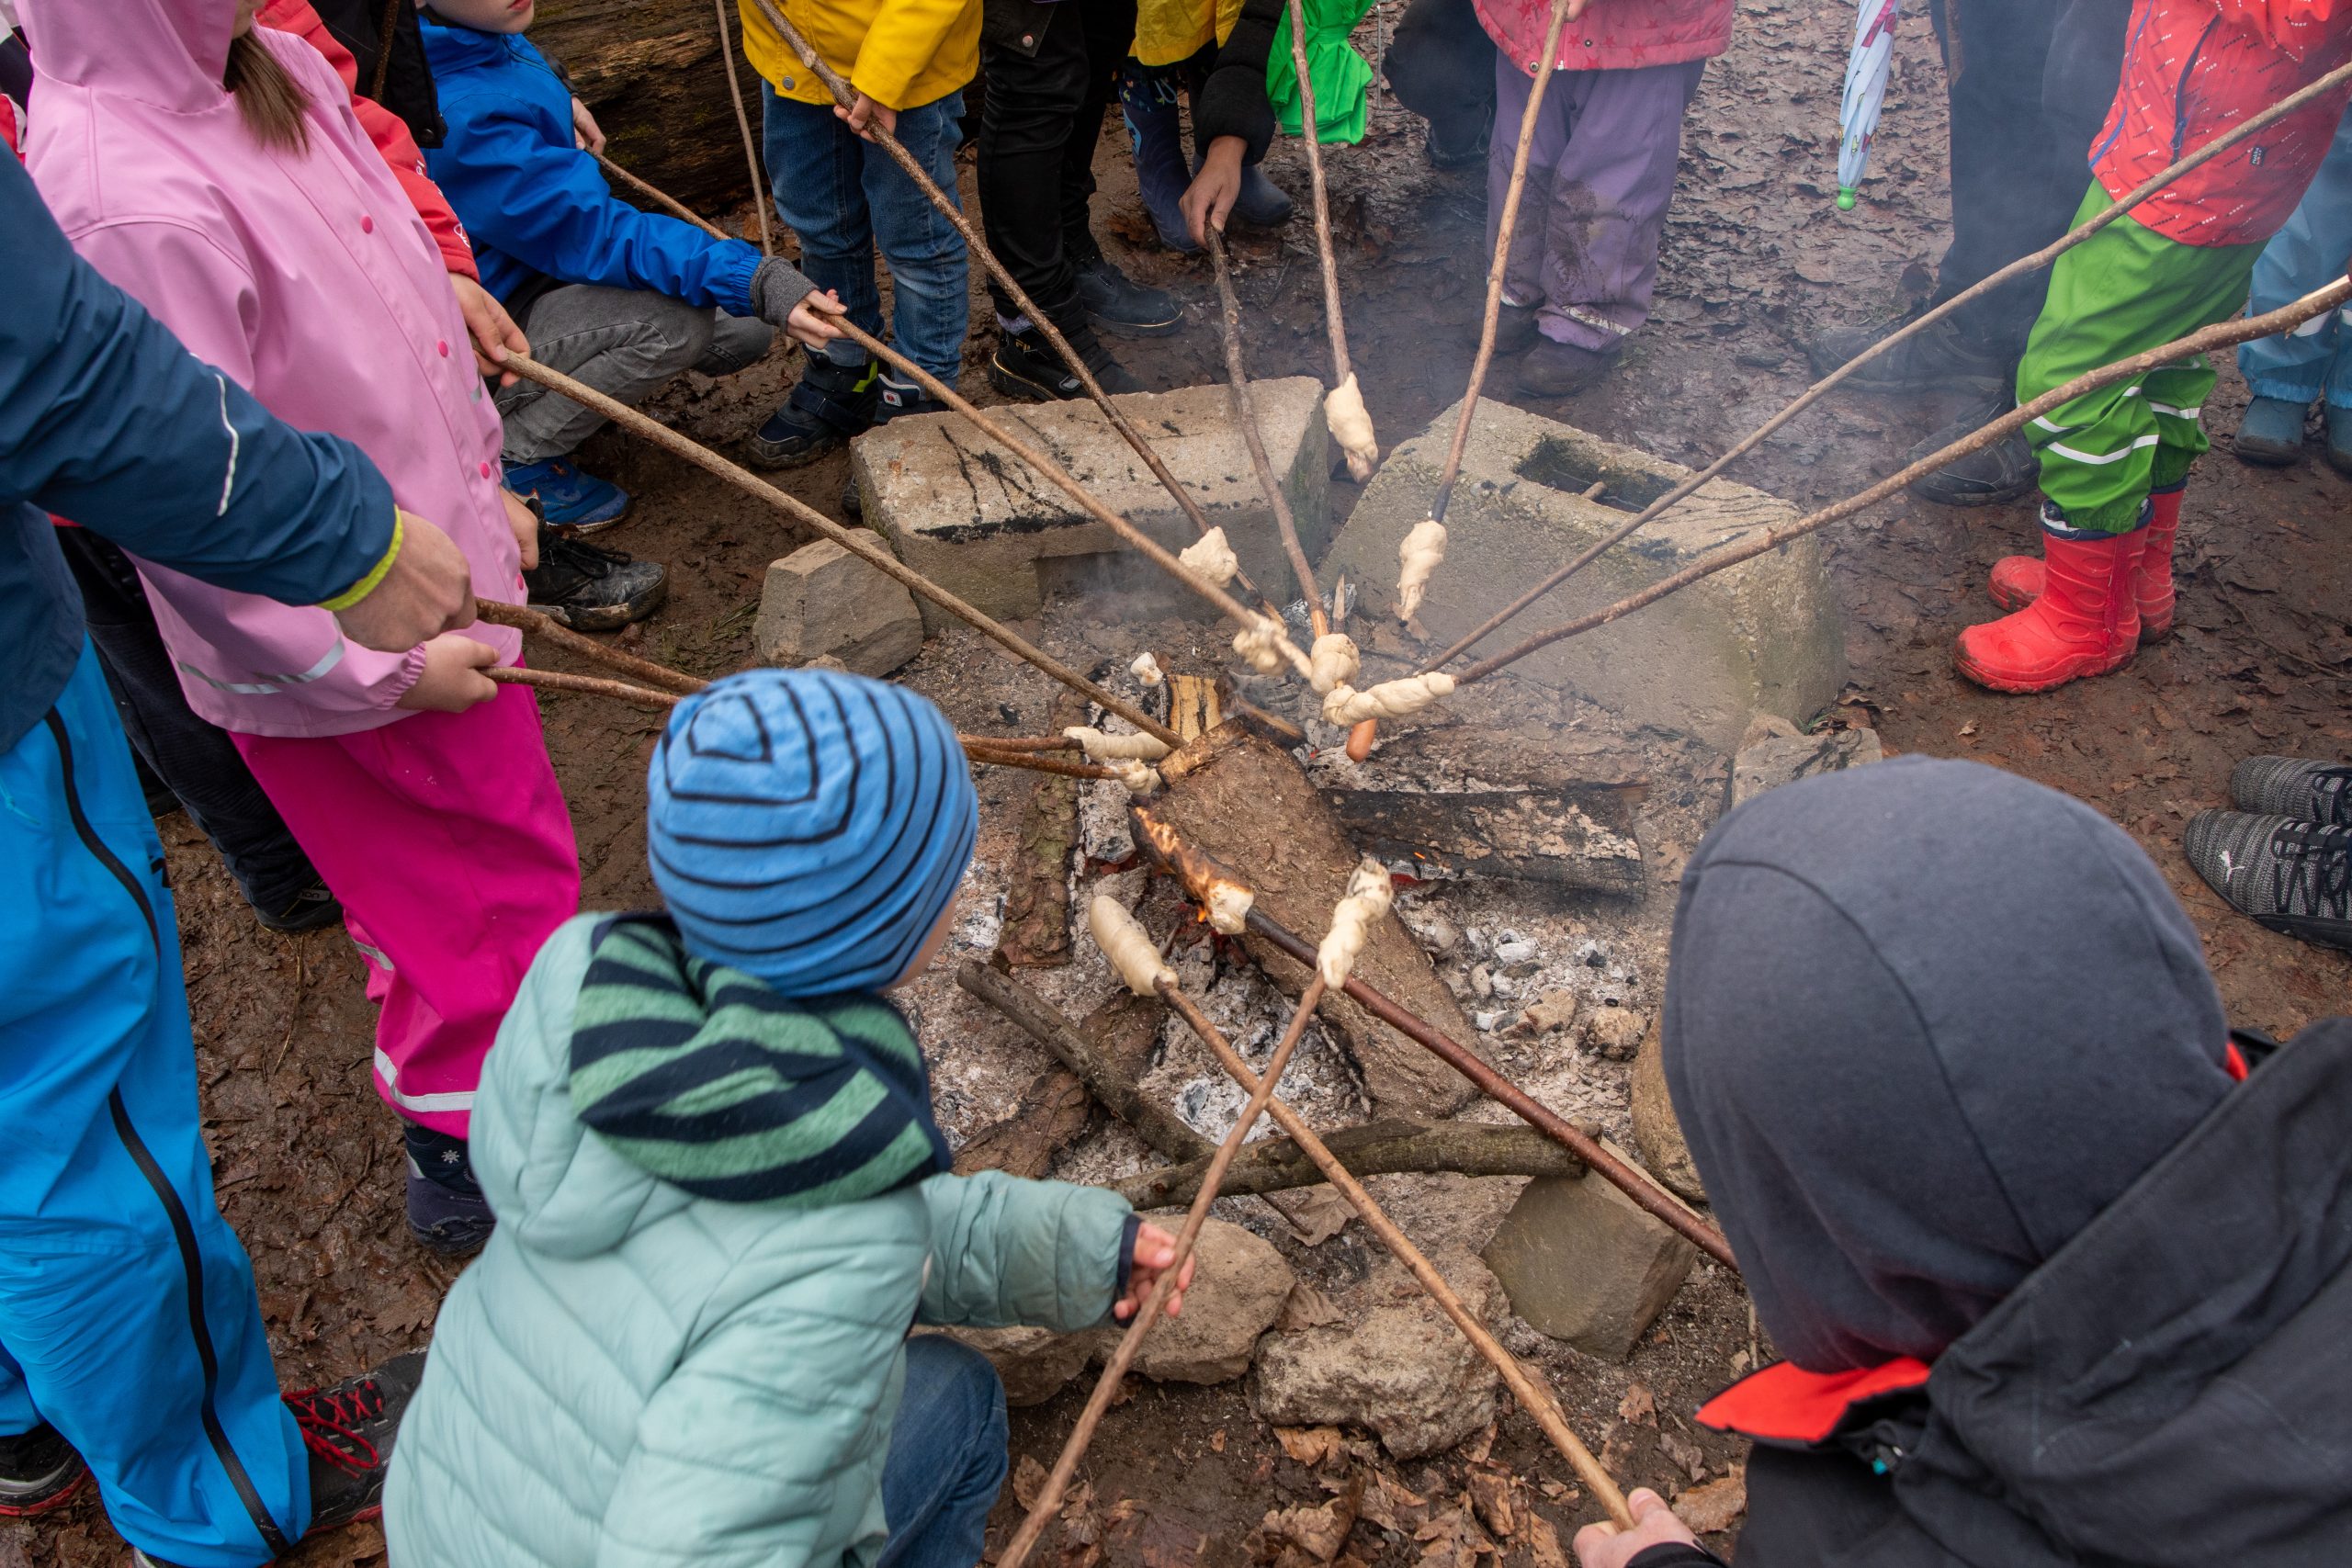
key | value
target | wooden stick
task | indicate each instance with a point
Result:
(532, 623)
(975, 749)
(1537, 1401)
(759, 196)
(1501, 263)
(1812, 394)
(1333, 323)
(664, 197)
(2220, 335)
(857, 541)
(1049, 1496)
(844, 95)
(1380, 1148)
(594, 685)
(1245, 414)
(1032, 742)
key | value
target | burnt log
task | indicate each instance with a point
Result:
(1379, 1148)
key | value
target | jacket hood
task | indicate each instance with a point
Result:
(1923, 1022)
(448, 47)
(171, 53)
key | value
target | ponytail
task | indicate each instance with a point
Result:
(271, 102)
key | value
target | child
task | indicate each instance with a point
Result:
(2289, 372)
(2054, 1286)
(844, 198)
(722, 1197)
(2114, 462)
(1216, 53)
(618, 299)
(258, 224)
(1600, 175)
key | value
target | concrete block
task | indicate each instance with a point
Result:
(821, 602)
(980, 523)
(1774, 754)
(1580, 1263)
(1657, 1135)
(1767, 634)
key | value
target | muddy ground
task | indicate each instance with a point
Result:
(1756, 257)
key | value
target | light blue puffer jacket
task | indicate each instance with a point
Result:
(631, 1376)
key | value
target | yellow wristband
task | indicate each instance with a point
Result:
(367, 585)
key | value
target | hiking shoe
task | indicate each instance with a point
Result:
(2294, 877)
(446, 1213)
(1263, 203)
(349, 1428)
(2271, 433)
(2339, 438)
(2290, 786)
(829, 403)
(1025, 365)
(312, 909)
(589, 589)
(1941, 358)
(39, 1471)
(1117, 303)
(1514, 328)
(1553, 370)
(2002, 472)
(568, 498)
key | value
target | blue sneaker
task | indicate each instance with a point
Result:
(568, 498)
(2271, 433)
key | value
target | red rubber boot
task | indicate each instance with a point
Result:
(2084, 622)
(2017, 580)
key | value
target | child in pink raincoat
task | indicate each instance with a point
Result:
(215, 171)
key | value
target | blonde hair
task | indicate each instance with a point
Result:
(270, 102)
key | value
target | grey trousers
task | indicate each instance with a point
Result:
(626, 343)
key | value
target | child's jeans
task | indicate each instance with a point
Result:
(844, 197)
(2309, 363)
(947, 1456)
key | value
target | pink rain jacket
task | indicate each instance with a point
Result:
(309, 279)
(1612, 35)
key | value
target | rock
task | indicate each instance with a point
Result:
(980, 523)
(1237, 1294)
(1552, 1010)
(1580, 1263)
(1033, 1362)
(821, 602)
(1767, 634)
(1399, 1366)
(1769, 758)
(1512, 951)
(1658, 1136)
(1615, 1032)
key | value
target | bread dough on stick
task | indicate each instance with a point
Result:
(1102, 748)
(1210, 558)
(1123, 941)
(1333, 662)
(1350, 424)
(1368, 897)
(1390, 699)
(1422, 552)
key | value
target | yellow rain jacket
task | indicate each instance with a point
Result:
(1167, 32)
(901, 53)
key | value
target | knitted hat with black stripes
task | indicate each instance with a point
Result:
(807, 827)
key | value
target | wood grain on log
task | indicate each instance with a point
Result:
(1106, 1078)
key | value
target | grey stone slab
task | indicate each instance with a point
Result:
(1580, 1263)
(821, 602)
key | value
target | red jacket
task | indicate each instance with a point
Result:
(384, 129)
(1612, 35)
(2194, 68)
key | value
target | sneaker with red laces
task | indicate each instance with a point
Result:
(39, 1471)
(348, 1427)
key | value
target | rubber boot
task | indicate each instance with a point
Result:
(2086, 621)
(2017, 580)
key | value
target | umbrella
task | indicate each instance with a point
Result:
(1865, 91)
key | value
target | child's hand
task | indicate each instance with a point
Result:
(1155, 1250)
(812, 321)
(1606, 1546)
(453, 679)
(1211, 196)
(492, 329)
(588, 134)
(526, 523)
(864, 114)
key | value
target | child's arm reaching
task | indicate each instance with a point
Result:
(1007, 1251)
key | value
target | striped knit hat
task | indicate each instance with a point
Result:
(807, 827)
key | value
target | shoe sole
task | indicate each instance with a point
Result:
(2264, 453)
(47, 1501)
(1117, 328)
(607, 618)
(1986, 498)
(300, 928)
(2026, 688)
(1017, 386)
(774, 459)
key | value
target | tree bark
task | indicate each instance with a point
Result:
(1273, 1164)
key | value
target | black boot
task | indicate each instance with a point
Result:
(1116, 303)
(446, 1213)
(2004, 471)
(1562, 370)
(39, 1471)
(829, 404)
(349, 1428)
(589, 589)
(314, 908)
(1025, 365)
(1941, 358)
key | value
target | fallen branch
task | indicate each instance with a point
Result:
(1381, 1148)
(1812, 394)
(1245, 414)
(1536, 1400)
(857, 541)
(2221, 335)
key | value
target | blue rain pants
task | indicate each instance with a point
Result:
(127, 1315)
(2314, 361)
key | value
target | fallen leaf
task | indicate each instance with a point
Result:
(1217, 1441)
(1684, 1453)
(1639, 1406)
(1306, 1307)
(1717, 1505)
(1310, 1445)
(1490, 1496)
(1320, 1531)
(1543, 1542)
(1388, 1504)
(1453, 1540)
(1477, 1448)
(1317, 1214)
(1076, 1501)
(1028, 1482)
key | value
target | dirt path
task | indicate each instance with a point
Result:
(308, 1161)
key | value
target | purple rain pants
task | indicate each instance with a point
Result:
(1600, 177)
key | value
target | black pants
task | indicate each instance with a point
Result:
(199, 763)
(1051, 70)
(2030, 83)
(1440, 65)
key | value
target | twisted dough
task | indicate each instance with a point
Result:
(1268, 649)
(1333, 662)
(1147, 670)
(1350, 424)
(1102, 748)
(1369, 893)
(1124, 942)
(1390, 699)
(1141, 778)
(1422, 553)
(1210, 556)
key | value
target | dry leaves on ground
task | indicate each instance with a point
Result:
(1453, 1539)
(1490, 1496)
(1684, 1453)
(1306, 1307)
(1717, 1505)
(1028, 1482)
(1388, 1504)
(1310, 1446)
(1292, 1538)
(1639, 1406)
(1543, 1542)
(1315, 1215)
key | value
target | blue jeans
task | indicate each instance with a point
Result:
(947, 1454)
(844, 197)
(2304, 366)
(128, 1317)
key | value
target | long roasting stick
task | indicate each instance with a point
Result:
(2220, 335)
(652, 194)
(1536, 1400)
(1049, 1496)
(1333, 321)
(844, 95)
(1812, 394)
(1245, 414)
(857, 541)
(760, 198)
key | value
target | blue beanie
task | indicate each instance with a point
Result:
(807, 827)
